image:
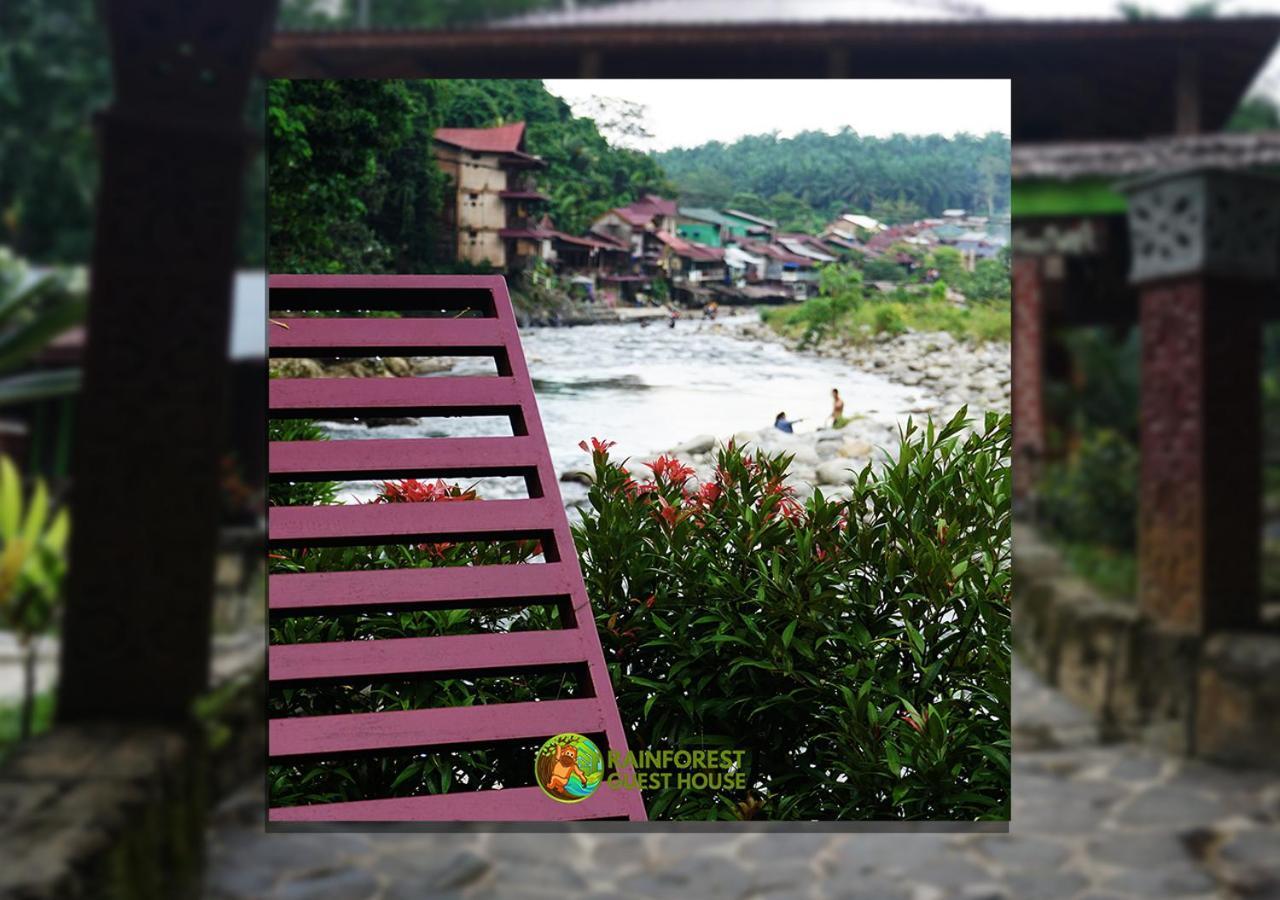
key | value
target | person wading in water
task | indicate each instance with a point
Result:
(782, 423)
(837, 409)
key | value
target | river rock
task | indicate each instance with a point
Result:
(828, 449)
(427, 365)
(834, 472)
(398, 366)
(703, 443)
(855, 447)
(296, 368)
(383, 421)
(806, 455)
(577, 476)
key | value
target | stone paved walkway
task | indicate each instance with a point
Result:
(1090, 821)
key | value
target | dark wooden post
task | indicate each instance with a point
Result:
(1028, 373)
(1204, 250)
(151, 426)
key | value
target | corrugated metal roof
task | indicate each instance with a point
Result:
(768, 223)
(802, 248)
(706, 214)
(499, 139)
(690, 249)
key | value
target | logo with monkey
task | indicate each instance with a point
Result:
(569, 768)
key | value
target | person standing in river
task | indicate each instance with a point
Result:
(782, 423)
(837, 409)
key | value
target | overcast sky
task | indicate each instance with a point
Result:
(726, 110)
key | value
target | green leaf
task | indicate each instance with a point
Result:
(917, 640)
(789, 632)
(891, 754)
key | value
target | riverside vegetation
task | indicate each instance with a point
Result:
(856, 648)
(846, 309)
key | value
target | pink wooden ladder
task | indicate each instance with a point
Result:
(509, 393)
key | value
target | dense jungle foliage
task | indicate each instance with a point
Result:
(806, 180)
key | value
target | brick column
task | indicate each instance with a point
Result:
(150, 430)
(1204, 250)
(1028, 373)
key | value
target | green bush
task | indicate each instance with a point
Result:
(856, 650)
(409, 773)
(299, 493)
(1093, 496)
(843, 310)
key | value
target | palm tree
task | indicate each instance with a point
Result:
(32, 566)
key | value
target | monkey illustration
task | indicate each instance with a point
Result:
(556, 768)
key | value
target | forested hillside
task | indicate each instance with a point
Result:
(804, 181)
(585, 176)
(353, 185)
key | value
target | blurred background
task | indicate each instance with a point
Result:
(1146, 402)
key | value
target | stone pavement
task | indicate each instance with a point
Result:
(1089, 821)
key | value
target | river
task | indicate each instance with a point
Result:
(651, 388)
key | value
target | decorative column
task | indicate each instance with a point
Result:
(145, 507)
(1204, 248)
(1028, 373)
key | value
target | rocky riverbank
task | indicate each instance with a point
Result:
(370, 367)
(948, 374)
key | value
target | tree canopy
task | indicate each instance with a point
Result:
(585, 175)
(353, 187)
(805, 180)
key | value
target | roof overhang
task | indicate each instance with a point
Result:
(1072, 79)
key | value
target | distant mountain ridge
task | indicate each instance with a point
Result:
(804, 180)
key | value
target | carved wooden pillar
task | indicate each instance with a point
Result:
(1204, 250)
(151, 425)
(1028, 373)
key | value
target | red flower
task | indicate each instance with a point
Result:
(709, 493)
(668, 513)
(790, 508)
(670, 469)
(597, 446)
(410, 490)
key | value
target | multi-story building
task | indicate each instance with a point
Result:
(493, 216)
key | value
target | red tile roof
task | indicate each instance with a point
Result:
(690, 249)
(499, 139)
(637, 217)
(643, 211)
(660, 205)
(533, 234)
(773, 251)
(597, 243)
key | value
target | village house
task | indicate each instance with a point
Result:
(789, 272)
(808, 246)
(492, 216)
(636, 224)
(756, 227)
(587, 255)
(688, 262)
(707, 226)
